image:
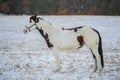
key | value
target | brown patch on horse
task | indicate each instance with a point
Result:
(80, 40)
(75, 29)
(46, 37)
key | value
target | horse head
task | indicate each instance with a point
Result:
(34, 18)
(32, 23)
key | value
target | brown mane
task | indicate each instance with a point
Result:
(34, 18)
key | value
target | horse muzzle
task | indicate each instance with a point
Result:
(25, 30)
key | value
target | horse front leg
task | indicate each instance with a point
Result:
(57, 60)
(95, 61)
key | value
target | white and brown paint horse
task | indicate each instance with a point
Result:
(59, 39)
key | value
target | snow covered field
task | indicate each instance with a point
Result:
(26, 56)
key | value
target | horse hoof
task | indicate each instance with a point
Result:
(95, 70)
(56, 70)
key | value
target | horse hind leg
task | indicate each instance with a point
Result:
(98, 58)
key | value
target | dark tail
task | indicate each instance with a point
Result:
(100, 48)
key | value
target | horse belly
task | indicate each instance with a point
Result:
(68, 45)
(69, 42)
(65, 40)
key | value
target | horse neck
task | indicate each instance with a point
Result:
(48, 27)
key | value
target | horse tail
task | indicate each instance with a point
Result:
(100, 48)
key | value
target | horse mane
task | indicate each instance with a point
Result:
(36, 19)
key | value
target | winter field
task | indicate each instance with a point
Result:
(26, 56)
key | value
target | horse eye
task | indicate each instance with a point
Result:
(30, 21)
(37, 20)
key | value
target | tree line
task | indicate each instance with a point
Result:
(60, 7)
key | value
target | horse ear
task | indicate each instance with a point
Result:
(35, 15)
(37, 20)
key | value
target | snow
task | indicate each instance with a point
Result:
(26, 56)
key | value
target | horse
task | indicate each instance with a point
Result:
(59, 38)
